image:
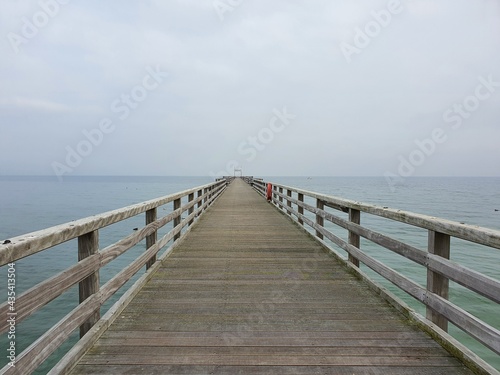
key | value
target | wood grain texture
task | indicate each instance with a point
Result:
(354, 240)
(439, 245)
(247, 292)
(151, 216)
(88, 245)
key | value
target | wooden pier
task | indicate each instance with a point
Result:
(248, 292)
(244, 291)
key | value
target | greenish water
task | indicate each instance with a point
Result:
(32, 203)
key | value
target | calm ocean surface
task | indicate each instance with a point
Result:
(32, 203)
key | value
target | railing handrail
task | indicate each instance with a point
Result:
(91, 259)
(30, 243)
(474, 233)
(440, 269)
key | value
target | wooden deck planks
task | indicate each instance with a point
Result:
(249, 293)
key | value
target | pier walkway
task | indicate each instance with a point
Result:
(249, 292)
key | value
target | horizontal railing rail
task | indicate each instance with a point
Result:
(436, 258)
(91, 259)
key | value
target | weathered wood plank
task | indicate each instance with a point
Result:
(320, 205)
(177, 219)
(270, 338)
(272, 360)
(300, 208)
(439, 245)
(43, 293)
(303, 350)
(354, 240)
(473, 280)
(267, 370)
(88, 245)
(151, 216)
(41, 349)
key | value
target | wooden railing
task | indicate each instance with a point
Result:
(436, 258)
(87, 315)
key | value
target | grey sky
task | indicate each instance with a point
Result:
(280, 87)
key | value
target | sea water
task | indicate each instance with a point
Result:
(32, 203)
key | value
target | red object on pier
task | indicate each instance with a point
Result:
(269, 194)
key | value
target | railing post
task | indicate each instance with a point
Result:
(439, 244)
(191, 210)
(281, 198)
(200, 202)
(289, 202)
(88, 244)
(205, 200)
(300, 208)
(319, 219)
(354, 217)
(151, 216)
(177, 220)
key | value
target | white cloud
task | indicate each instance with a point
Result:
(29, 104)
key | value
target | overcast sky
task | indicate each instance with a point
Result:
(282, 87)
